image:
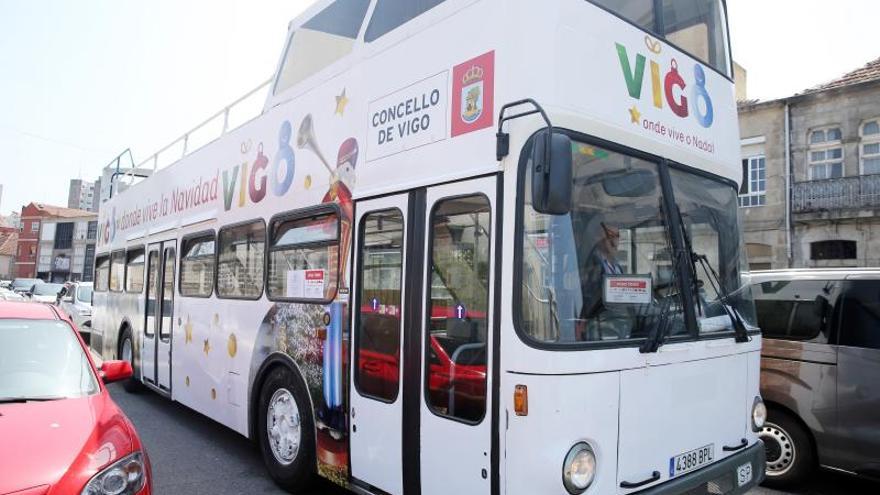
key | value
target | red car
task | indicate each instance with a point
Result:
(60, 432)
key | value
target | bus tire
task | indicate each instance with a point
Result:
(790, 454)
(126, 353)
(286, 430)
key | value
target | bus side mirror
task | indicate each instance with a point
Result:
(551, 173)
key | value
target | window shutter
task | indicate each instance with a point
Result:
(744, 186)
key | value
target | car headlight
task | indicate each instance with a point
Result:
(126, 476)
(759, 414)
(579, 469)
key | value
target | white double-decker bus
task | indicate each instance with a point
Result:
(469, 246)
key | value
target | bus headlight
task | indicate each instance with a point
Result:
(579, 469)
(126, 476)
(759, 414)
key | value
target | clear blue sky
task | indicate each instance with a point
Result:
(83, 80)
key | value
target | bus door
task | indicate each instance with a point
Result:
(422, 339)
(159, 321)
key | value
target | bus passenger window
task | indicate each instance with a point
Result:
(639, 12)
(102, 273)
(304, 258)
(134, 280)
(377, 352)
(458, 308)
(240, 265)
(391, 14)
(197, 266)
(117, 271)
(320, 41)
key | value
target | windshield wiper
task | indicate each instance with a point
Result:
(21, 400)
(739, 326)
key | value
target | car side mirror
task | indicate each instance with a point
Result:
(114, 371)
(551, 173)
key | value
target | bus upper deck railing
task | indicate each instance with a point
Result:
(185, 143)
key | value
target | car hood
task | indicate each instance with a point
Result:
(43, 298)
(60, 443)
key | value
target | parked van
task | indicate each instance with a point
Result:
(820, 370)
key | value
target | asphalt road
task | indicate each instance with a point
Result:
(192, 454)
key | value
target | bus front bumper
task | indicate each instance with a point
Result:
(719, 478)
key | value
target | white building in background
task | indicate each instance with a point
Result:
(82, 195)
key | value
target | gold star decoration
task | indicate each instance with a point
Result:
(187, 381)
(207, 347)
(188, 329)
(341, 101)
(232, 345)
(634, 115)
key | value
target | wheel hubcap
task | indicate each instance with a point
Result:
(283, 426)
(126, 350)
(780, 449)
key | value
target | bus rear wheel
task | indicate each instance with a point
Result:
(286, 430)
(126, 353)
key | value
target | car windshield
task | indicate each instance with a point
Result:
(42, 359)
(84, 294)
(608, 272)
(47, 289)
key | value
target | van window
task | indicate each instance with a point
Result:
(796, 310)
(860, 319)
(390, 14)
(320, 41)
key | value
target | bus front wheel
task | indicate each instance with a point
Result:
(286, 429)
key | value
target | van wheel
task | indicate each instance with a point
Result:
(286, 430)
(790, 456)
(126, 353)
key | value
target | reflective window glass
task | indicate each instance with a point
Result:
(102, 273)
(796, 310)
(240, 265)
(378, 331)
(134, 280)
(860, 317)
(117, 271)
(167, 294)
(152, 289)
(390, 14)
(197, 266)
(320, 41)
(458, 308)
(304, 257)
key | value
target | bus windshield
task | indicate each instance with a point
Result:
(607, 272)
(696, 26)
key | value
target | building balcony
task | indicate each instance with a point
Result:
(837, 198)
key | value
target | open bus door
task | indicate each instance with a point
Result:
(423, 320)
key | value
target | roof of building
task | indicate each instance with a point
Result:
(8, 242)
(870, 72)
(62, 212)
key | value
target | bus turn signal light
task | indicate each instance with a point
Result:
(521, 400)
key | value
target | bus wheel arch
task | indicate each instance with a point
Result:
(279, 380)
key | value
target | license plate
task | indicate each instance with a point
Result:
(683, 463)
(744, 474)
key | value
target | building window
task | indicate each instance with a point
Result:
(35, 226)
(92, 232)
(88, 264)
(870, 147)
(753, 191)
(833, 250)
(64, 235)
(825, 153)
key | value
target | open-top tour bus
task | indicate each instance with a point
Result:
(469, 246)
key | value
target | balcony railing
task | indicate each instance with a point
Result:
(836, 194)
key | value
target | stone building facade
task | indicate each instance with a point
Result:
(816, 199)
